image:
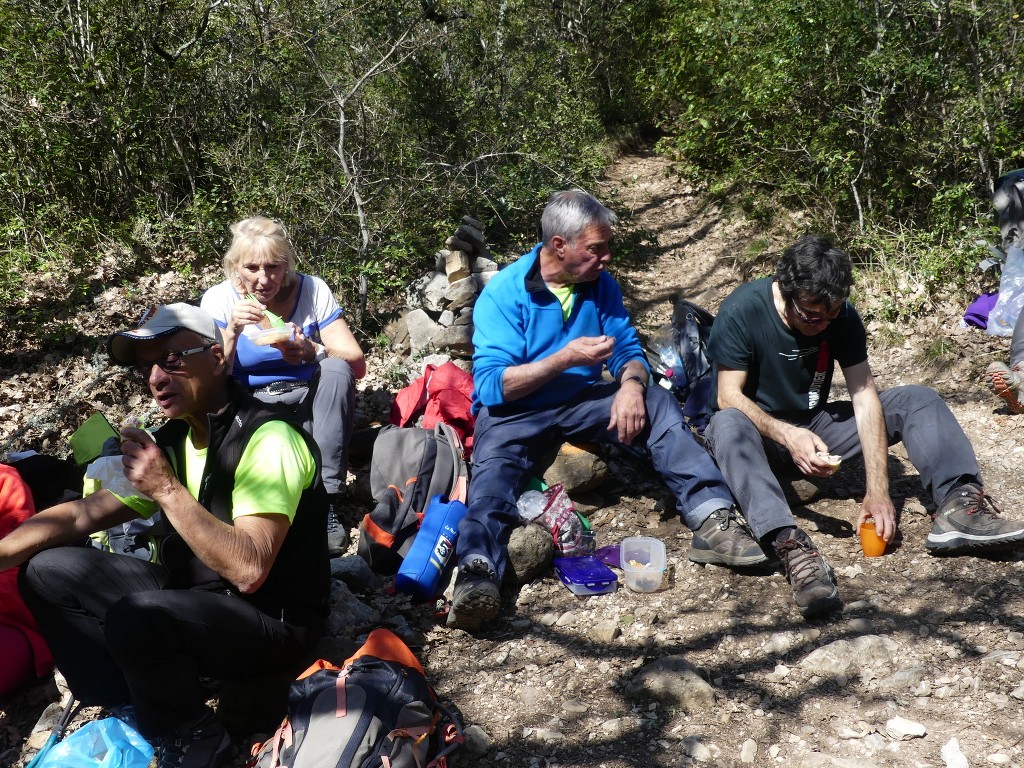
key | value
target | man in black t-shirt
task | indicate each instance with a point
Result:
(774, 344)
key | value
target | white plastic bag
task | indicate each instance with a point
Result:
(108, 471)
(1004, 314)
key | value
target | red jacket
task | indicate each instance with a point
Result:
(16, 507)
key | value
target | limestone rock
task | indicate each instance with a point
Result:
(349, 616)
(673, 680)
(457, 266)
(461, 293)
(530, 551)
(457, 340)
(845, 656)
(577, 468)
(422, 329)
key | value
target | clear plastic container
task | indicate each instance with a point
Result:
(270, 336)
(643, 563)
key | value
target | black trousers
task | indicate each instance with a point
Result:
(120, 635)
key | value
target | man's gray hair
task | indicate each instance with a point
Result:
(569, 212)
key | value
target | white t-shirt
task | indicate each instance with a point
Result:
(256, 366)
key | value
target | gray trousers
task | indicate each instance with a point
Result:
(325, 408)
(915, 416)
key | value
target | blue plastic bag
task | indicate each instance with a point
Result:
(108, 743)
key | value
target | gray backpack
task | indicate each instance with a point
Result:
(410, 466)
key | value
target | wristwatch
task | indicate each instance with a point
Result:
(639, 379)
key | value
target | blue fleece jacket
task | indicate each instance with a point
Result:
(518, 320)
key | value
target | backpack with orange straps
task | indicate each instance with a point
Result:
(376, 711)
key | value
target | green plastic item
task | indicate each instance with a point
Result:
(87, 441)
(275, 321)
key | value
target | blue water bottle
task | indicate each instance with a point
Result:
(431, 549)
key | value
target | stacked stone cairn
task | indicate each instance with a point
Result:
(440, 320)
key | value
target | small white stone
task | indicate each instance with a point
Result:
(748, 752)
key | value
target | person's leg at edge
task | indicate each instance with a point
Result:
(1017, 343)
(1007, 381)
(503, 449)
(70, 591)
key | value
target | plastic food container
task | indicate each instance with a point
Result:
(585, 575)
(643, 562)
(271, 336)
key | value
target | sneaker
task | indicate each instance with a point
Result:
(204, 744)
(723, 539)
(476, 596)
(812, 579)
(337, 534)
(968, 519)
(1006, 382)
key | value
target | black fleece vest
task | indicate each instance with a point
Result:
(298, 587)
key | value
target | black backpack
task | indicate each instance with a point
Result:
(688, 334)
(410, 466)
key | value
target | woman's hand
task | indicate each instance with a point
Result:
(299, 349)
(243, 313)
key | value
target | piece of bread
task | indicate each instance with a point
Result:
(831, 459)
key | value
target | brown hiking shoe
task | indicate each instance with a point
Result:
(812, 579)
(1006, 382)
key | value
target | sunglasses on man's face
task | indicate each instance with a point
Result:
(811, 317)
(169, 363)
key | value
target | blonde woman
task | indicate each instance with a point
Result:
(315, 369)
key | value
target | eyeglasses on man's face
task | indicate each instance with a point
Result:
(815, 316)
(169, 363)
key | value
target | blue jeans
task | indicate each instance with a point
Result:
(915, 416)
(508, 443)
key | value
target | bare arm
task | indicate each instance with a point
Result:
(518, 381)
(63, 524)
(340, 342)
(242, 552)
(802, 444)
(867, 410)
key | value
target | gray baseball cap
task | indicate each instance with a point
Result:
(162, 321)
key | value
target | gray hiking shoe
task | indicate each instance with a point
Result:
(1007, 382)
(812, 579)
(203, 744)
(968, 519)
(476, 596)
(723, 539)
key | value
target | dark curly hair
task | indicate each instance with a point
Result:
(814, 269)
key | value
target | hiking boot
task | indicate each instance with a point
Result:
(337, 533)
(723, 539)
(812, 579)
(203, 744)
(476, 596)
(1006, 382)
(968, 519)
